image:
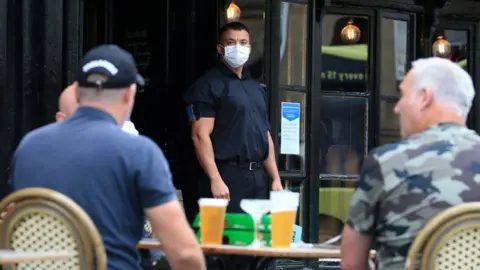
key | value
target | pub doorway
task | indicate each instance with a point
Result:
(161, 35)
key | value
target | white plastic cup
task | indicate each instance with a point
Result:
(283, 214)
(285, 198)
(213, 202)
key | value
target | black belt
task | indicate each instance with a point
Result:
(251, 166)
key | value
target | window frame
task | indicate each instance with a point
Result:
(272, 84)
(473, 120)
(410, 18)
(315, 177)
(274, 13)
(372, 94)
(372, 16)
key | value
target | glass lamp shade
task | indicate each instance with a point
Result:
(232, 13)
(350, 33)
(441, 47)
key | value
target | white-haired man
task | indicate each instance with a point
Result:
(435, 166)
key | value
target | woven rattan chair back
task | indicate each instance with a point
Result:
(449, 241)
(45, 220)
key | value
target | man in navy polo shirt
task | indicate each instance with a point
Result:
(67, 105)
(113, 175)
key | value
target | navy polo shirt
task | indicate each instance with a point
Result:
(239, 106)
(111, 174)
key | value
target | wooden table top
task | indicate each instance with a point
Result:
(11, 256)
(315, 252)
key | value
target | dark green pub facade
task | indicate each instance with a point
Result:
(344, 86)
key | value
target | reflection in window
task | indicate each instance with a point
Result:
(292, 152)
(297, 187)
(334, 204)
(393, 55)
(389, 123)
(344, 126)
(293, 46)
(253, 17)
(459, 43)
(344, 67)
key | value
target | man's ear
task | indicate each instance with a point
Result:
(129, 94)
(59, 116)
(220, 49)
(425, 97)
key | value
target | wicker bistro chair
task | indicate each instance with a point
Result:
(449, 241)
(148, 228)
(45, 220)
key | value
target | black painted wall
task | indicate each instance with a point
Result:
(39, 49)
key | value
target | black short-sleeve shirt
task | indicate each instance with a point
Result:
(239, 106)
(111, 174)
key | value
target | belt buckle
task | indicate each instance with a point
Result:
(250, 166)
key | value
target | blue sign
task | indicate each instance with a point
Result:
(297, 234)
(290, 111)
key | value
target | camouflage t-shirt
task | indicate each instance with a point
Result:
(403, 185)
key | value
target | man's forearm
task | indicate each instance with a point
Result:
(205, 155)
(345, 266)
(196, 261)
(270, 163)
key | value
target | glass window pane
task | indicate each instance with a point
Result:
(389, 123)
(344, 139)
(253, 16)
(459, 43)
(393, 55)
(334, 204)
(292, 148)
(293, 45)
(297, 187)
(458, 40)
(344, 65)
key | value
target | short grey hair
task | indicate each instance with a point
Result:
(88, 94)
(91, 94)
(450, 84)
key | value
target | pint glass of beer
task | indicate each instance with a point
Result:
(212, 219)
(283, 214)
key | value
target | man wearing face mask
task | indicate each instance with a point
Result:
(230, 128)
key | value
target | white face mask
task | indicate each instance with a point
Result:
(236, 55)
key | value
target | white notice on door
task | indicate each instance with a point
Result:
(290, 129)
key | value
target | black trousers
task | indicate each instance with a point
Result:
(242, 184)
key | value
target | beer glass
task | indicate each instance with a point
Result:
(212, 219)
(283, 214)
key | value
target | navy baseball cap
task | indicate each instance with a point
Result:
(113, 62)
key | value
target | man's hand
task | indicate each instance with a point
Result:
(277, 185)
(7, 210)
(219, 189)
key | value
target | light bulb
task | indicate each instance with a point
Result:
(350, 33)
(441, 47)
(233, 12)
